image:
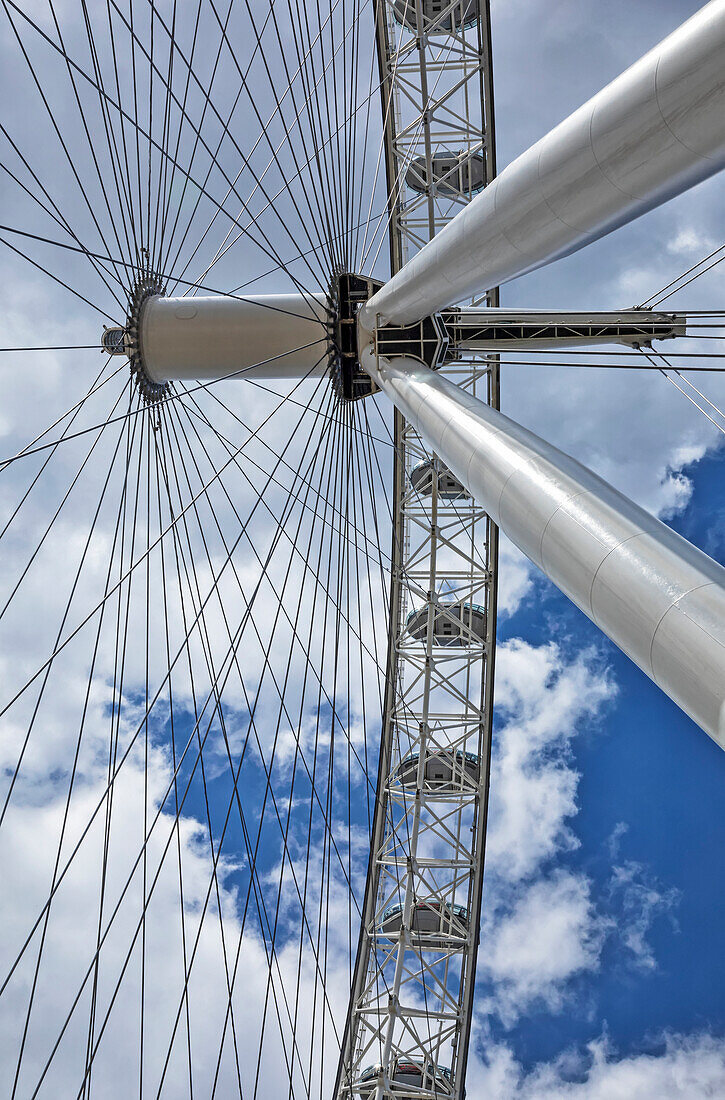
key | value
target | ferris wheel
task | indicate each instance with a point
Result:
(251, 551)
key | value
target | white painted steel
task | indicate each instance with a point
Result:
(655, 131)
(658, 597)
(410, 1003)
(217, 335)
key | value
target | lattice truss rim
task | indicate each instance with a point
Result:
(411, 999)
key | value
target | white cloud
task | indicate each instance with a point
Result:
(689, 240)
(552, 933)
(547, 701)
(545, 924)
(640, 900)
(515, 577)
(684, 1068)
(26, 870)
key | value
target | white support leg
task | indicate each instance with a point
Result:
(658, 597)
(656, 130)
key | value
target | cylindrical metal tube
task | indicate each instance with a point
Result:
(272, 336)
(658, 597)
(653, 132)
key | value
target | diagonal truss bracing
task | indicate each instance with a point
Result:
(409, 1016)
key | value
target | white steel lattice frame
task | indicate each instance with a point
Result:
(412, 993)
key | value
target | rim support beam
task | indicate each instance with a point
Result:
(655, 131)
(658, 597)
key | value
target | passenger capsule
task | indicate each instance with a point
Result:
(454, 624)
(407, 1071)
(422, 478)
(442, 771)
(454, 174)
(433, 924)
(463, 14)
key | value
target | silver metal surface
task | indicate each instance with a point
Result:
(656, 130)
(272, 336)
(658, 597)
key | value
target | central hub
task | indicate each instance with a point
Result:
(347, 294)
(425, 340)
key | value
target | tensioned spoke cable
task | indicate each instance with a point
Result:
(142, 1022)
(223, 248)
(135, 214)
(261, 302)
(379, 159)
(660, 296)
(133, 870)
(56, 279)
(210, 831)
(204, 638)
(217, 891)
(356, 534)
(309, 828)
(305, 561)
(119, 674)
(58, 347)
(310, 89)
(64, 499)
(359, 516)
(165, 256)
(99, 268)
(168, 397)
(209, 697)
(328, 242)
(201, 531)
(372, 90)
(306, 193)
(720, 427)
(366, 465)
(351, 151)
(207, 149)
(305, 645)
(73, 413)
(332, 476)
(324, 588)
(580, 357)
(155, 243)
(122, 184)
(71, 784)
(305, 648)
(169, 183)
(263, 245)
(137, 141)
(49, 663)
(139, 561)
(162, 686)
(53, 121)
(260, 386)
(342, 558)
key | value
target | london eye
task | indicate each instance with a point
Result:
(256, 476)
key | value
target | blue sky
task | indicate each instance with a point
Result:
(649, 794)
